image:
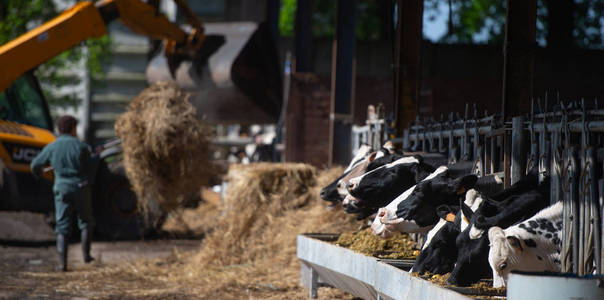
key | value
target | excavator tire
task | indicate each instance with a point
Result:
(115, 206)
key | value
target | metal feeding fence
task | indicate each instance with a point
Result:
(564, 141)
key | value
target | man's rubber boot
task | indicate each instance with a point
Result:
(62, 249)
(86, 240)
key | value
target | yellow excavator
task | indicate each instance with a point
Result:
(25, 123)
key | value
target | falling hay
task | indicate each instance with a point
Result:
(166, 148)
(265, 208)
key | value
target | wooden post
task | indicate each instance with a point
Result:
(518, 57)
(342, 83)
(407, 61)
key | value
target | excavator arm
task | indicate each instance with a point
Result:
(86, 20)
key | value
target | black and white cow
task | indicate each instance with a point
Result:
(330, 192)
(515, 204)
(380, 186)
(439, 252)
(363, 161)
(533, 245)
(414, 211)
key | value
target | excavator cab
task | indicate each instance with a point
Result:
(23, 102)
(25, 128)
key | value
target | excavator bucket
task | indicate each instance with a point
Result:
(240, 82)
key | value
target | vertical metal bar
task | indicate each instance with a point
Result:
(303, 35)
(585, 230)
(533, 159)
(594, 203)
(518, 164)
(488, 149)
(565, 256)
(465, 147)
(574, 204)
(601, 225)
(452, 147)
(507, 158)
(557, 163)
(406, 142)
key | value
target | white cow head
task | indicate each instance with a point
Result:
(510, 252)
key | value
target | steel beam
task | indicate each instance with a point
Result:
(303, 35)
(342, 83)
(518, 56)
(408, 61)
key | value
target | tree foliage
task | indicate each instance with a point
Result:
(369, 22)
(20, 16)
(483, 21)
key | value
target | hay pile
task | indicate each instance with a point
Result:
(254, 241)
(166, 148)
(365, 242)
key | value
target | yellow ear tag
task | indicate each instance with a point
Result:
(450, 217)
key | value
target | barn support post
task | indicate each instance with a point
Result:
(272, 17)
(518, 56)
(303, 35)
(342, 83)
(408, 61)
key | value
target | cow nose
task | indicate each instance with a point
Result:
(323, 193)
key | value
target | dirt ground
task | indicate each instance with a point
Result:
(158, 268)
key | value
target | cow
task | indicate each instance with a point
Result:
(519, 202)
(415, 210)
(330, 192)
(363, 161)
(380, 186)
(439, 252)
(533, 245)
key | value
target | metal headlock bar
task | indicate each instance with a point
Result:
(564, 141)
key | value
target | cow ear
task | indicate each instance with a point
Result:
(495, 233)
(389, 146)
(447, 212)
(514, 242)
(465, 183)
(372, 156)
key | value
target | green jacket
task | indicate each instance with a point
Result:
(69, 158)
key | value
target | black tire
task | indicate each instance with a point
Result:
(115, 206)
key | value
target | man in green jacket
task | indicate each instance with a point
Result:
(71, 161)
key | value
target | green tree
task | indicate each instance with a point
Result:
(20, 16)
(370, 20)
(560, 23)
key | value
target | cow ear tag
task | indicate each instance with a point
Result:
(514, 242)
(450, 217)
(461, 190)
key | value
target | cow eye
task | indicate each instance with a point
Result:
(503, 266)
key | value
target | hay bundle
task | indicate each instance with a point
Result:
(166, 149)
